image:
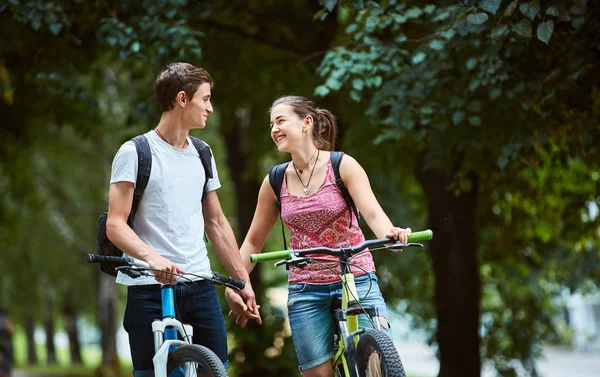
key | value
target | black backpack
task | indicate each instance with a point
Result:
(103, 244)
(277, 173)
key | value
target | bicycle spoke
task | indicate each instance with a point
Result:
(374, 368)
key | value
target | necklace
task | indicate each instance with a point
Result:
(311, 174)
(185, 143)
(307, 165)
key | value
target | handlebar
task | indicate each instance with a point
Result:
(238, 284)
(135, 269)
(103, 259)
(286, 254)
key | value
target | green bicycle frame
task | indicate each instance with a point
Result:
(347, 319)
(348, 291)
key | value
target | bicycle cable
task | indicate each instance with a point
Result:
(181, 276)
(315, 260)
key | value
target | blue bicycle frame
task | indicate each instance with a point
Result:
(167, 295)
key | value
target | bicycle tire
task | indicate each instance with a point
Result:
(195, 353)
(373, 342)
(338, 371)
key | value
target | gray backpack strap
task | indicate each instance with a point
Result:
(143, 174)
(276, 176)
(336, 160)
(206, 158)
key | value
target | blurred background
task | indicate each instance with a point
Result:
(477, 119)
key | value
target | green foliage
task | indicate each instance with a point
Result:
(471, 86)
(88, 88)
(501, 88)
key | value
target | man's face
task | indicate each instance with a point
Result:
(198, 109)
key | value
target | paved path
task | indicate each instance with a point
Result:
(420, 361)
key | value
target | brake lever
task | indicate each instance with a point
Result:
(133, 272)
(277, 264)
(400, 246)
(296, 261)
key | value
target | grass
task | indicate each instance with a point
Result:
(58, 370)
(91, 355)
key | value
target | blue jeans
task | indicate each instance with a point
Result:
(309, 310)
(196, 304)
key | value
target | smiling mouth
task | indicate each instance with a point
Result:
(279, 138)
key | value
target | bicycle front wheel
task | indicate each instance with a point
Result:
(200, 355)
(376, 355)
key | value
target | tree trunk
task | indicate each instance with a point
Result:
(245, 182)
(246, 194)
(71, 326)
(29, 326)
(50, 332)
(457, 285)
(107, 319)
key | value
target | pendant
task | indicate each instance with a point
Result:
(306, 191)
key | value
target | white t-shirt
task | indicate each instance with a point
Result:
(169, 217)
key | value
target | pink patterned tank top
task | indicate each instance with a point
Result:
(322, 219)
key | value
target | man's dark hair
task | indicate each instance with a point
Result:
(177, 77)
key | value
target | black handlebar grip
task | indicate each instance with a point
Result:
(118, 261)
(236, 283)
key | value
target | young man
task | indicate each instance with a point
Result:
(171, 219)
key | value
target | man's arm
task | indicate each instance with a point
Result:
(120, 198)
(223, 240)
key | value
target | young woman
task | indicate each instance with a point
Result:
(313, 208)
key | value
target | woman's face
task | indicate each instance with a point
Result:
(287, 126)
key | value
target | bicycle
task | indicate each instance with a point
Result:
(174, 357)
(359, 352)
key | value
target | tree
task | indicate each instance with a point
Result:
(51, 112)
(452, 78)
(102, 92)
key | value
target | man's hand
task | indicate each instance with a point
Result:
(241, 309)
(160, 263)
(249, 298)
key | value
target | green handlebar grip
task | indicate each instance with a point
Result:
(423, 235)
(273, 255)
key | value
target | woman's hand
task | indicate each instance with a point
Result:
(399, 234)
(239, 308)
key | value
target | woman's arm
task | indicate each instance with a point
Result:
(356, 180)
(265, 216)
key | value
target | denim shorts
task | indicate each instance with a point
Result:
(309, 310)
(196, 304)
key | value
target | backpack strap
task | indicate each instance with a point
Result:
(143, 173)
(336, 160)
(276, 176)
(206, 158)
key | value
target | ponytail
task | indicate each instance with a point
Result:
(325, 130)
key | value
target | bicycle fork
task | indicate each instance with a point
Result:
(166, 332)
(347, 319)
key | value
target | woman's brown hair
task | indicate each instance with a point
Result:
(324, 125)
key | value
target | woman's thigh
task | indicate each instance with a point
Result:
(311, 323)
